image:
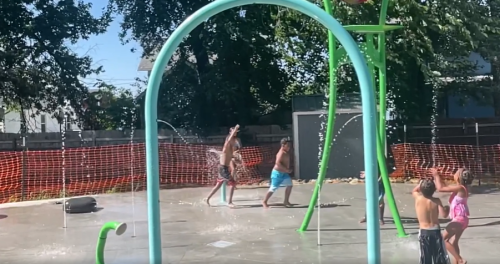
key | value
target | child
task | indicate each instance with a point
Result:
(226, 158)
(236, 161)
(459, 210)
(428, 208)
(381, 194)
(280, 174)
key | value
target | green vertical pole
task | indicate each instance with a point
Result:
(381, 139)
(332, 102)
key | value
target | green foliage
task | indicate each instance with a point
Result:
(231, 69)
(111, 108)
(226, 71)
(437, 35)
(39, 69)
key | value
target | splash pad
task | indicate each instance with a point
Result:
(365, 78)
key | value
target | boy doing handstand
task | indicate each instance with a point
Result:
(281, 174)
(226, 158)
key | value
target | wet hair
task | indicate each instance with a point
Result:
(465, 177)
(285, 141)
(427, 187)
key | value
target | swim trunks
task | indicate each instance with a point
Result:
(225, 175)
(432, 247)
(279, 179)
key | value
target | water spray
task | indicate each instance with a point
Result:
(173, 128)
(63, 152)
(345, 124)
(132, 159)
(119, 229)
(319, 218)
(224, 184)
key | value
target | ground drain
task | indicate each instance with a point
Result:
(221, 244)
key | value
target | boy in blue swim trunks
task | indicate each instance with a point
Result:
(280, 175)
(381, 194)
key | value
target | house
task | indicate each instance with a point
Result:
(455, 107)
(10, 121)
(146, 64)
(35, 123)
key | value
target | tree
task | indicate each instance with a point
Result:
(38, 68)
(259, 60)
(487, 42)
(437, 35)
(227, 71)
(111, 108)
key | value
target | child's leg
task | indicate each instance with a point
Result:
(214, 190)
(456, 238)
(287, 182)
(381, 214)
(451, 230)
(381, 209)
(266, 199)
(275, 184)
(288, 191)
(232, 187)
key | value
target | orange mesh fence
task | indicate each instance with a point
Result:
(414, 160)
(35, 175)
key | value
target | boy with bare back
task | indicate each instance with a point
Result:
(428, 208)
(226, 158)
(236, 161)
(281, 174)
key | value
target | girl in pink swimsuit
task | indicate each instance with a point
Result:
(459, 210)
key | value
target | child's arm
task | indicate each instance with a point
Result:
(440, 187)
(443, 212)
(416, 191)
(230, 136)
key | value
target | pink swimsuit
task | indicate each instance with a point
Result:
(459, 210)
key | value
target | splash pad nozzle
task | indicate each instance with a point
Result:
(119, 229)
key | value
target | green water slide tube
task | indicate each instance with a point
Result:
(119, 229)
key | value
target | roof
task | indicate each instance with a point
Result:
(147, 62)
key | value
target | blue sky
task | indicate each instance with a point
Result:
(119, 63)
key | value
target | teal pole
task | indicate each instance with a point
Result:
(367, 98)
(223, 193)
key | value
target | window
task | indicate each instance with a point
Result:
(43, 124)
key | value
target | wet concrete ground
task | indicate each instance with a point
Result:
(33, 233)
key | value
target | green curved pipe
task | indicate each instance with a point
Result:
(119, 229)
(380, 57)
(332, 102)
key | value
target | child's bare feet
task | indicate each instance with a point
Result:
(287, 204)
(363, 220)
(382, 222)
(264, 204)
(463, 261)
(207, 200)
(231, 205)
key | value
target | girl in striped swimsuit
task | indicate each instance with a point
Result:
(459, 210)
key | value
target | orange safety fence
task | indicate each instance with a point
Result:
(413, 160)
(35, 175)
